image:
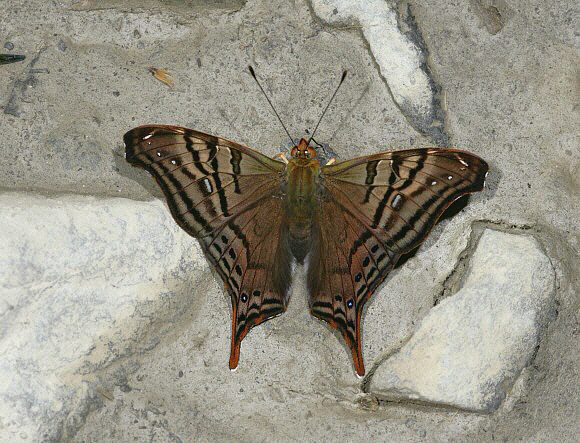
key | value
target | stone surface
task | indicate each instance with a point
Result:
(85, 283)
(508, 73)
(399, 52)
(469, 350)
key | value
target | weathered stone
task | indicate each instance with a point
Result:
(468, 351)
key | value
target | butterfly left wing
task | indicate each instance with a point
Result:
(229, 197)
(373, 210)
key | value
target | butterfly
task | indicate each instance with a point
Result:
(257, 218)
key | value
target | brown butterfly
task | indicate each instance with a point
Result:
(256, 218)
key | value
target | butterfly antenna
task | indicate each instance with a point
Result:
(324, 112)
(273, 108)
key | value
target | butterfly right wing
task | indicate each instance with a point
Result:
(373, 209)
(228, 196)
(347, 262)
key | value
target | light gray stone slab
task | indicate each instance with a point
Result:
(468, 351)
(399, 52)
(84, 282)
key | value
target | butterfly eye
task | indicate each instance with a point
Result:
(244, 298)
(350, 304)
(358, 277)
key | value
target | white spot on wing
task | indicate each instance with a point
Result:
(449, 177)
(147, 136)
(207, 184)
(463, 162)
(158, 154)
(173, 162)
(396, 204)
(433, 183)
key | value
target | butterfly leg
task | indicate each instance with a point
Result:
(281, 157)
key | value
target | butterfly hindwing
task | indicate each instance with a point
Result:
(251, 257)
(348, 261)
(228, 196)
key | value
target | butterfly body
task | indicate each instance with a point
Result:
(301, 200)
(256, 218)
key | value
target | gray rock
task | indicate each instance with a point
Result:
(84, 283)
(468, 351)
(392, 35)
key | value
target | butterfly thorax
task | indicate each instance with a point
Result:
(301, 203)
(302, 174)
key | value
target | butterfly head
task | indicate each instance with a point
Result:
(303, 150)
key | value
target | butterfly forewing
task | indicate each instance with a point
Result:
(229, 197)
(403, 193)
(206, 179)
